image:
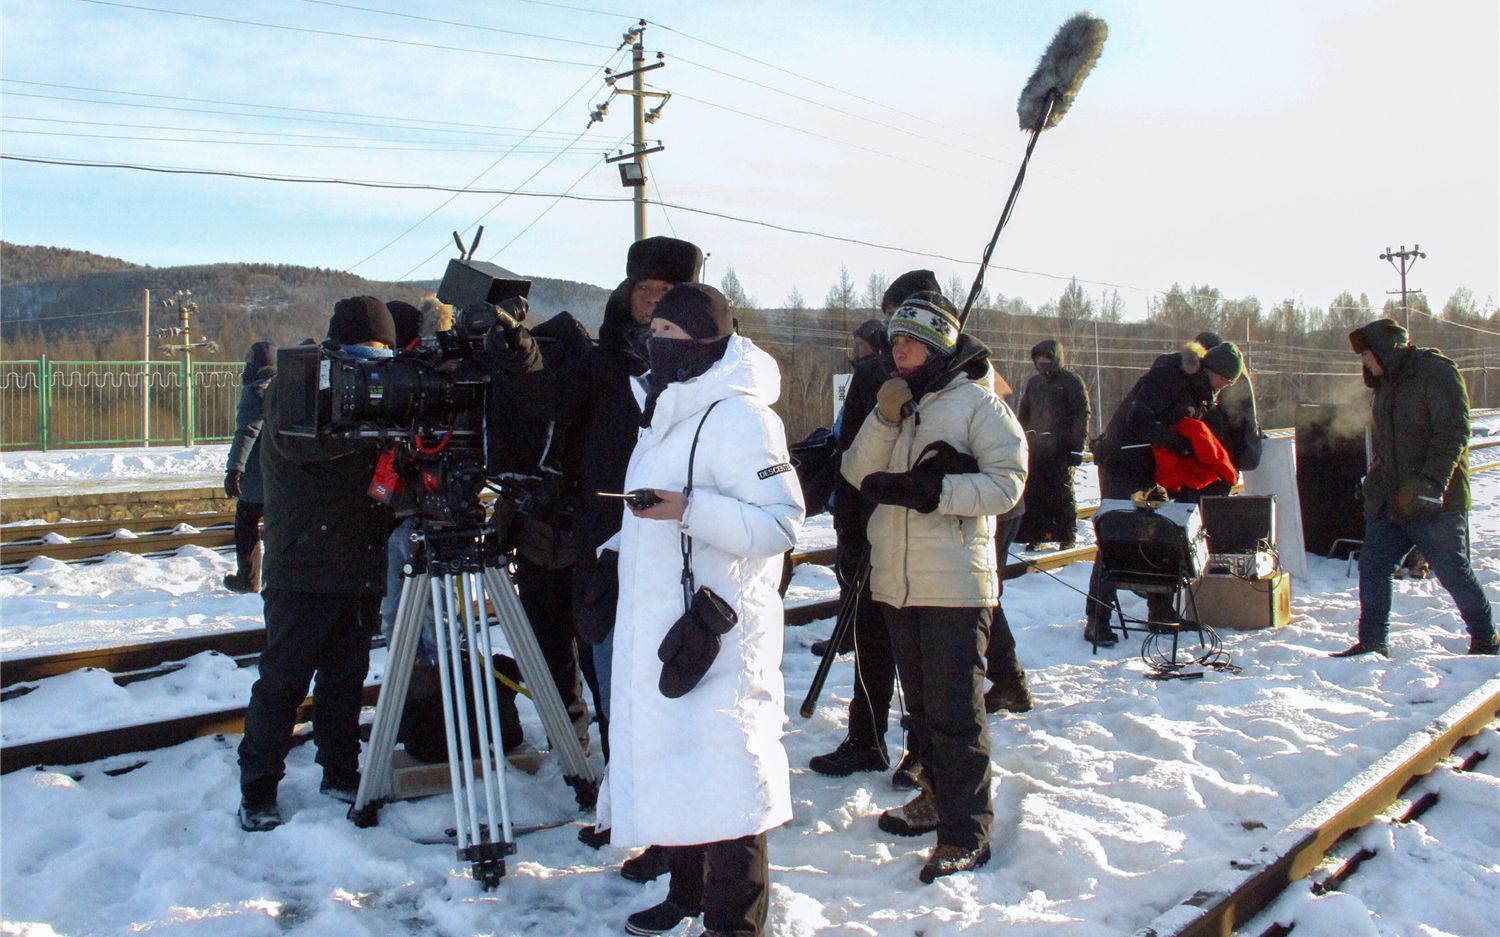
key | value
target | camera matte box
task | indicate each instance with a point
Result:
(466, 282)
(1243, 604)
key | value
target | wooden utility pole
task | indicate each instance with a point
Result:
(146, 369)
(633, 163)
(1403, 255)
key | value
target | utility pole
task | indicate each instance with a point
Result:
(633, 163)
(183, 303)
(1404, 255)
(146, 369)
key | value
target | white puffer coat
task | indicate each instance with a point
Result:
(946, 558)
(708, 766)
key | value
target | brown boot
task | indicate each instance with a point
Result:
(948, 860)
(915, 817)
(1008, 694)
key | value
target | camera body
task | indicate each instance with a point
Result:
(428, 402)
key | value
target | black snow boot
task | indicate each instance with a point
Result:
(258, 811)
(340, 784)
(658, 919)
(646, 867)
(1488, 646)
(849, 757)
(1101, 633)
(1359, 649)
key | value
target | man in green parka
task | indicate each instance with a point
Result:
(1417, 488)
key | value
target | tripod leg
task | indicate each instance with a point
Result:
(375, 780)
(475, 625)
(512, 617)
(497, 790)
(455, 710)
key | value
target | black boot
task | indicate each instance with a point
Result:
(646, 867)
(1009, 694)
(1099, 632)
(1359, 648)
(849, 757)
(658, 919)
(947, 860)
(258, 811)
(1488, 646)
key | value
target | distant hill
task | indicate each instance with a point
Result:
(50, 296)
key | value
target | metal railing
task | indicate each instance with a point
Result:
(47, 404)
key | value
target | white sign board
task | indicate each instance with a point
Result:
(840, 392)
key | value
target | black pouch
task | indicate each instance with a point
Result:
(692, 643)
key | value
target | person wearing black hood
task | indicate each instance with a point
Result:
(1179, 384)
(242, 472)
(324, 574)
(940, 456)
(1055, 413)
(1417, 489)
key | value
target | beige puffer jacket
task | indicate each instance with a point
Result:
(946, 558)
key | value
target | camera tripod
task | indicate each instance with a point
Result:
(452, 570)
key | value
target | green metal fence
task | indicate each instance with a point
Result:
(47, 404)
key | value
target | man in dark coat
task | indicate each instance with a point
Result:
(324, 576)
(1178, 385)
(1417, 489)
(1233, 419)
(1055, 413)
(242, 471)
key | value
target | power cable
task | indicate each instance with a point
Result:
(363, 147)
(336, 34)
(430, 19)
(555, 202)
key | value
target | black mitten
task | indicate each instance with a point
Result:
(692, 643)
(917, 490)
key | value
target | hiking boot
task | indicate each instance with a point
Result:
(1100, 633)
(1488, 646)
(646, 867)
(849, 757)
(658, 919)
(908, 775)
(1359, 648)
(913, 818)
(340, 784)
(946, 860)
(1008, 694)
(258, 811)
(235, 583)
(593, 837)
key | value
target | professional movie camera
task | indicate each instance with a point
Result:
(429, 401)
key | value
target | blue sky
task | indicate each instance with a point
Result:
(1269, 149)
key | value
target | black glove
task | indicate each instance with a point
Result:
(917, 490)
(232, 483)
(511, 346)
(1417, 500)
(1181, 445)
(692, 643)
(595, 610)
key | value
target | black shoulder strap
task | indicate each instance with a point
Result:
(688, 584)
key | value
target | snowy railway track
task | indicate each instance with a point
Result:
(1319, 843)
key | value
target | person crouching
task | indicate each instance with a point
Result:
(939, 471)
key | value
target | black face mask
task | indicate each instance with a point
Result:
(674, 360)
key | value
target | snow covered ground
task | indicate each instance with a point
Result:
(1116, 798)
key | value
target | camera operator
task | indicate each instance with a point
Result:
(324, 574)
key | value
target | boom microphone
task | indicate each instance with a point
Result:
(1043, 102)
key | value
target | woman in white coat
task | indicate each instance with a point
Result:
(940, 455)
(705, 773)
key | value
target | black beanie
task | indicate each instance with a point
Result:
(1225, 360)
(1208, 339)
(663, 258)
(872, 331)
(905, 286)
(360, 319)
(699, 309)
(408, 320)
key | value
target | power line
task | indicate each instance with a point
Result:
(430, 19)
(555, 202)
(459, 190)
(444, 126)
(363, 147)
(336, 34)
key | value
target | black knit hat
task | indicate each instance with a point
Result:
(901, 288)
(699, 309)
(1208, 339)
(408, 320)
(360, 319)
(663, 258)
(872, 331)
(1225, 360)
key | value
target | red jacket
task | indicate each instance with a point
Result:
(1209, 462)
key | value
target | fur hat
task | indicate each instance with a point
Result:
(912, 281)
(663, 258)
(1225, 360)
(408, 320)
(928, 318)
(360, 319)
(698, 308)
